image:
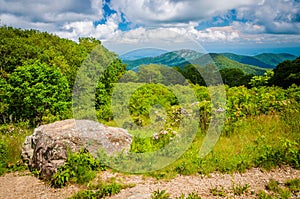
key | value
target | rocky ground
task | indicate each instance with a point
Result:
(24, 185)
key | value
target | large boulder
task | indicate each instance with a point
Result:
(47, 148)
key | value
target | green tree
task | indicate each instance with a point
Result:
(37, 91)
(111, 75)
(149, 74)
(261, 80)
(286, 74)
(191, 72)
(234, 77)
(4, 100)
(129, 76)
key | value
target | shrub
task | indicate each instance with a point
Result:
(79, 168)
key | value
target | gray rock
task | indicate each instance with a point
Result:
(47, 148)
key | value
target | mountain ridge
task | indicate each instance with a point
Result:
(256, 64)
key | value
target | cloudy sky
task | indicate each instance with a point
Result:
(241, 26)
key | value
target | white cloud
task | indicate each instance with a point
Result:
(149, 12)
(171, 38)
(53, 14)
(87, 29)
(277, 17)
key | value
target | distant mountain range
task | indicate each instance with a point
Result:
(257, 64)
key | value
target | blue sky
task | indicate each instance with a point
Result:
(245, 27)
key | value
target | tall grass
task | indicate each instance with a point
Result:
(265, 141)
(11, 140)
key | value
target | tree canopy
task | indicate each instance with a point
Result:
(286, 74)
(35, 91)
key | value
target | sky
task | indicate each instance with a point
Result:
(240, 26)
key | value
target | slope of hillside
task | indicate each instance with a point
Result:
(223, 62)
(274, 59)
(175, 58)
(247, 60)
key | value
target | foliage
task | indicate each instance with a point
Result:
(79, 168)
(286, 74)
(147, 96)
(22, 49)
(105, 86)
(36, 91)
(269, 156)
(19, 47)
(234, 77)
(257, 81)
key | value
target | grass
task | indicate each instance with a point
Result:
(265, 141)
(11, 140)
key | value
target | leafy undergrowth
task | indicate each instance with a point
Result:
(82, 168)
(79, 168)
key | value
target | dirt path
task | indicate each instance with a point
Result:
(15, 186)
(26, 186)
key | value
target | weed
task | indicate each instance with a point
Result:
(273, 185)
(193, 196)
(160, 194)
(240, 189)
(293, 185)
(263, 195)
(218, 191)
